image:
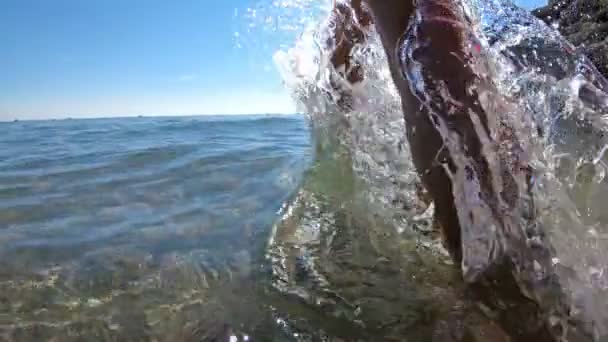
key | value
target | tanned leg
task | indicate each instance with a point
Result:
(392, 19)
(350, 21)
(464, 147)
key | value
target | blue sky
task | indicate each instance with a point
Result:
(91, 58)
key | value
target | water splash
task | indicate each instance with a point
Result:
(561, 93)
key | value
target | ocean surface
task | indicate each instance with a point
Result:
(141, 228)
(234, 228)
(312, 228)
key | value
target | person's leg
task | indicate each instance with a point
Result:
(393, 19)
(470, 159)
(350, 21)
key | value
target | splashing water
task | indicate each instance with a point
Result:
(565, 96)
(364, 175)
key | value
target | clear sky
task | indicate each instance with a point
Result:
(91, 58)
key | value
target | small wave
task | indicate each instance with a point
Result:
(532, 65)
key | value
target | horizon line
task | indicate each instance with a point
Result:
(125, 116)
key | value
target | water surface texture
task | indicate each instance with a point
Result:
(223, 229)
(142, 228)
(559, 106)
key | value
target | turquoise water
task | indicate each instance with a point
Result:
(140, 228)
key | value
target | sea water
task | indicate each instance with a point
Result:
(141, 228)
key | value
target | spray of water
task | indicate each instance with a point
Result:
(560, 95)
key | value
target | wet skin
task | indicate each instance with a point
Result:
(467, 156)
(391, 19)
(468, 153)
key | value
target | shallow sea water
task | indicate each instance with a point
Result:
(142, 228)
